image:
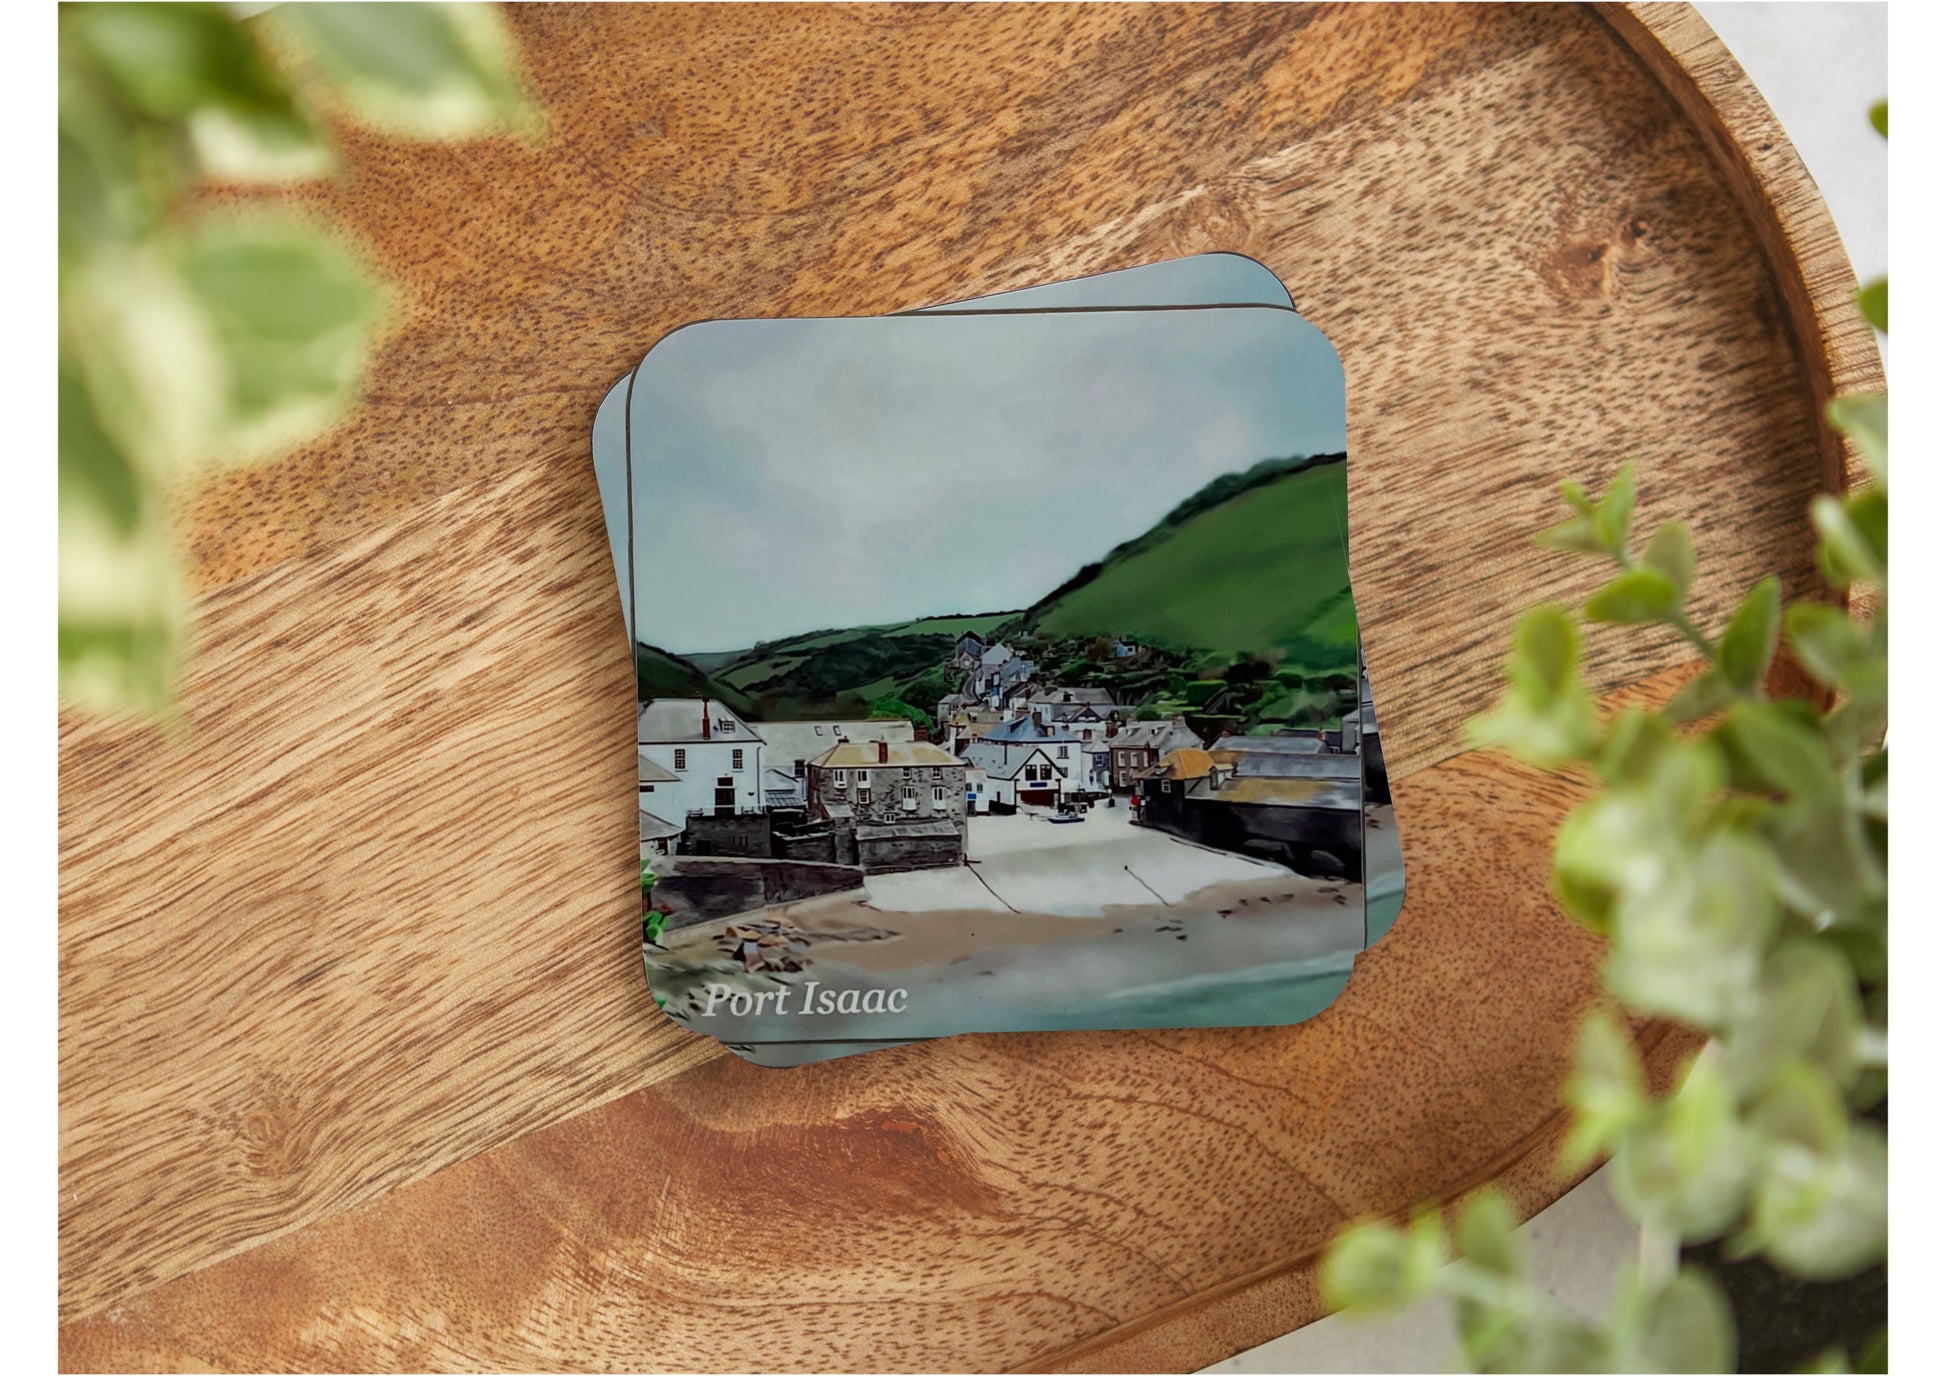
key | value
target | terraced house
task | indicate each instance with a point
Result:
(893, 805)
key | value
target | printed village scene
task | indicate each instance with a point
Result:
(1142, 795)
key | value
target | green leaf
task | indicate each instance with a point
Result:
(1800, 1106)
(1636, 740)
(1606, 1091)
(1639, 595)
(194, 67)
(1686, 1326)
(1671, 551)
(1871, 299)
(1688, 1171)
(1703, 695)
(1828, 643)
(1576, 535)
(1488, 1234)
(1616, 509)
(294, 315)
(1853, 545)
(1788, 755)
(1878, 119)
(1864, 418)
(1546, 653)
(1576, 496)
(435, 71)
(1373, 1267)
(1805, 1010)
(1750, 640)
(1822, 1215)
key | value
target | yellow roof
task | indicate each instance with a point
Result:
(1185, 764)
(864, 755)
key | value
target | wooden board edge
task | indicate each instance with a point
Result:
(1836, 348)
(1240, 1314)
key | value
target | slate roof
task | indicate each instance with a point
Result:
(999, 762)
(655, 829)
(652, 773)
(1306, 744)
(679, 721)
(1027, 731)
(898, 754)
(995, 655)
(1093, 696)
(934, 826)
(1323, 766)
(790, 741)
(1157, 735)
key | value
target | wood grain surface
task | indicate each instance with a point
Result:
(357, 1067)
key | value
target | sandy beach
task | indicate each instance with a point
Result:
(1090, 924)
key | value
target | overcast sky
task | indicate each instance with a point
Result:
(798, 474)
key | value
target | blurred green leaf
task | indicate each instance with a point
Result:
(1707, 693)
(294, 316)
(191, 65)
(1806, 1009)
(1636, 740)
(1853, 530)
(1749, 641)
(1373, 1267)
(1865, 419)
(1488, 1234)
(1576, 535)
(1871, 299)
(1879, 119)
(1606, 1091)
(1671, 552)
(1615, 511)
(423, 70)
(1687, 1172)
(1546, 717)
(1640, 594)
(1686, 1326)
(1822, 1215)
(1828, 643)
(1787, 754)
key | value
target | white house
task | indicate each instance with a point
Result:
(1011, 775)
(714, 759)
(1028, 761)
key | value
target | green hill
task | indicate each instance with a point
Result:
(1255, 562)
(839, 672)
(659, 674)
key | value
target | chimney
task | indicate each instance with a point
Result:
(706, 719)
(884, 752)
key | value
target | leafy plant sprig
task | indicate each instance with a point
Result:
(1734, 856)
(190, 338)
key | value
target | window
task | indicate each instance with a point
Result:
(864, 794)
(938, 795)
(797, 768)
(648, 788)
(736, 759)
(862, 776)
(1062, 752)
(682, 759)
(838, 780)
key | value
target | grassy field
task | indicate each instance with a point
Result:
(1261, 571)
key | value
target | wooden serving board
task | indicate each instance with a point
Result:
(357, 1065)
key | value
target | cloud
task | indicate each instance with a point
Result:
(797, 474)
